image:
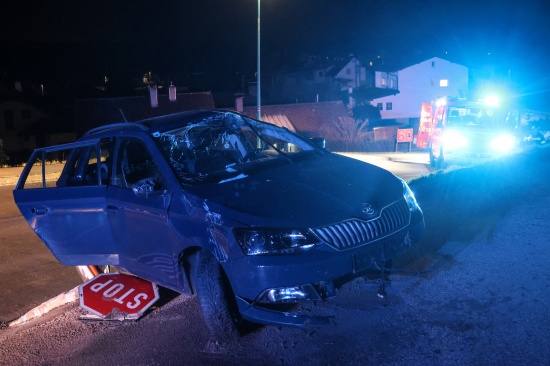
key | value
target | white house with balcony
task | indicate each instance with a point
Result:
(422, 82)
(354, 77)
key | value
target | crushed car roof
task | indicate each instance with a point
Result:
(161, 123)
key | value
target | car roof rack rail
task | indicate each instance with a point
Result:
(123, 125)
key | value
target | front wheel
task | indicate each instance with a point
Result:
(216, 299)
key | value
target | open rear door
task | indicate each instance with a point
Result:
(62, 195)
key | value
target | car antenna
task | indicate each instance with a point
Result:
(123, 116)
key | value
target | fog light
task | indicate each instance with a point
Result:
(289, 294)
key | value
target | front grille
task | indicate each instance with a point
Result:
(352, 233)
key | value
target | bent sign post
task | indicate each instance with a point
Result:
(117, 296)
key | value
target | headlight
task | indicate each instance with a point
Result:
(292, 294)
(270, 241)
(409, 196)
(503, 143)
(454, 140)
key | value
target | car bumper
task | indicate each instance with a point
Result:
(310, 276)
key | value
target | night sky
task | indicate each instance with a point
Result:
(106, 36)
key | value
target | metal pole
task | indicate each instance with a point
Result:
(259, 85)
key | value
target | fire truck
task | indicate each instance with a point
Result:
(455, 129)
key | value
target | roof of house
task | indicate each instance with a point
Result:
(279, 120)
(401, 64)
(91, 113)
(309, 119)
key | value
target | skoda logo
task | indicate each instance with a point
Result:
(367, 208)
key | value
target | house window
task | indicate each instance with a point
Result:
(432, 82)
(433, 63)
(392, 84)
(384, 82)
(380, 106)
(348, 71)
(443, 83)
(26, 113)
(389, 106)
(8, 120)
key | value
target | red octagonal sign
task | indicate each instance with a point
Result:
(118, 295)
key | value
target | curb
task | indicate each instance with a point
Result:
(61, 299)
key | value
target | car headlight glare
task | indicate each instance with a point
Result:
(504, 143)
(454, 140)
(272, 241)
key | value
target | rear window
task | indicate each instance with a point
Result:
(69, 165)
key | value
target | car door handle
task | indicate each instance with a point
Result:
(39, 210)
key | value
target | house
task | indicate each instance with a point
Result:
(361, 83)
(325, 80)
(424, 81)
(308, 119)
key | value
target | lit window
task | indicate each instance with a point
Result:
(383, 82)
(389, 106)
(443, 83)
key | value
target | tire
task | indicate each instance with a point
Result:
(216, 299)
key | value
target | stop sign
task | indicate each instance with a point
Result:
(117, 294)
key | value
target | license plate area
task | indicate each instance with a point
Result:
(376, 254)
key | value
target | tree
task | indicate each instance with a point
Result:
(348, 135)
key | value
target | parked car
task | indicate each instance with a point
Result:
(249, 216)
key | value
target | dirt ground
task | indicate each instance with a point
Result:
(477, 292)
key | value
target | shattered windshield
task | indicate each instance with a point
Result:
(222, 143)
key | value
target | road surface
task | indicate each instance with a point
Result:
(476, 293)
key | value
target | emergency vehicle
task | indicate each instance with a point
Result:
(455, 129)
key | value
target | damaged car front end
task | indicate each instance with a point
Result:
(251, 217)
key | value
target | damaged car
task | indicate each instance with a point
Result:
(248, 216)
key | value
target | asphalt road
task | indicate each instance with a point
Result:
(30, 273)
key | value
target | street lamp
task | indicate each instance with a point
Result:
(258, 85)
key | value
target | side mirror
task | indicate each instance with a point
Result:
(147, 187)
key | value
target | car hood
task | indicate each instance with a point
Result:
(309, 193)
